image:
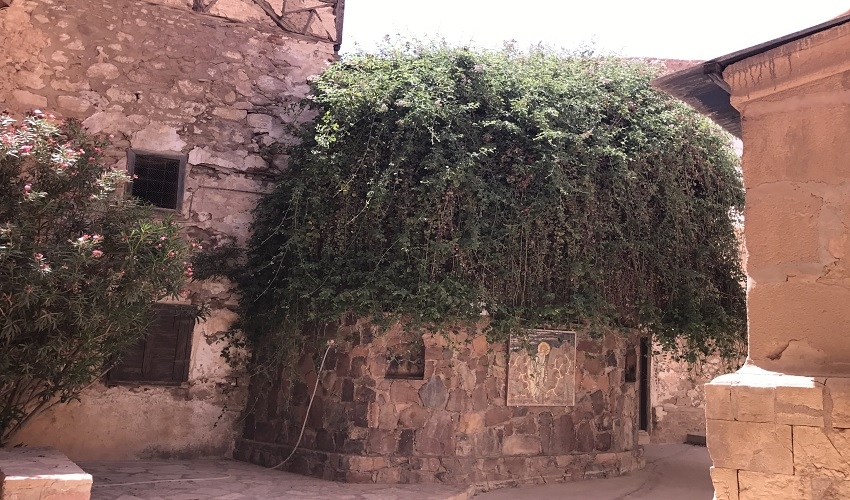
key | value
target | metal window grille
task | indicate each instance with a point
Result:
(156, 179)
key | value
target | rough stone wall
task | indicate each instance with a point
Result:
(453, 426)
(164, 78)
(677, 395)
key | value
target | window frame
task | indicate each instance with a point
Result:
(182, 352)
(132, 153)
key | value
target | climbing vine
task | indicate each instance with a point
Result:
(438, 184)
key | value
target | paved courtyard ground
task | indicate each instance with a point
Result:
(673, 472)
(231, 480)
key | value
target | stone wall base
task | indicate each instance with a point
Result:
(484, 473)
(41, 474)
(772, 435)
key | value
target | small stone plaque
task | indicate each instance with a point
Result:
(541, 369)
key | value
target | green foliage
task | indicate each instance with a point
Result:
(544, 189)
(80, 266)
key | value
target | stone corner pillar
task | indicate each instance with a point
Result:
(780, 426)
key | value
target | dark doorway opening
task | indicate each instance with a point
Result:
(643, 391)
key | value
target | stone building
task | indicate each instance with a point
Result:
(193, 92)
(778, 427)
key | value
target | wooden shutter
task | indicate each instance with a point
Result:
(131, 367)
(163, 355)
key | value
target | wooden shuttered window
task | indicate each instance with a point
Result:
(162, 356)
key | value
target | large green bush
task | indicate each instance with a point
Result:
(80, 266)
(544, 189)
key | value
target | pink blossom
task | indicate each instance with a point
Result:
(26, 148)
(39, 256)
(27, 188)
(96, 254)
(96, 238)
(91, 158)
(162, 238)
(171, 254)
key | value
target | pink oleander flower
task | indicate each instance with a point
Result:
(96, 254)
(27, 188)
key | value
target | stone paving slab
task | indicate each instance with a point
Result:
(232, 480)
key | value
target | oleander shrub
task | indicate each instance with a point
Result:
(80, 265)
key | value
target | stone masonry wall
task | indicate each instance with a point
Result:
(452, 426)
(677, 395)
(161, 77)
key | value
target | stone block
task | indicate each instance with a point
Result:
(413, 417)
(788, 336)
(761, 486)
(725, 483)
(800, 405)
(821, 452)
(29, 100)
(74, 104)
(497, 415)
(767, 449)
(753, 404)
(38, 473)
(521, 445)
(229, 113)
(437, 437)
(434, 393)
(471, 423)
(403, 391)
(718, 401)
(104, 71)
(778, 208)
(830, 489)
(260, 122)
(381, 442)
(838, 390)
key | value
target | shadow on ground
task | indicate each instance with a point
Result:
(673, 472)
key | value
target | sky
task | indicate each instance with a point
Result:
(671, 29)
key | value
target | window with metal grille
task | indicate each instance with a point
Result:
(157, 178)
(162, 356)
